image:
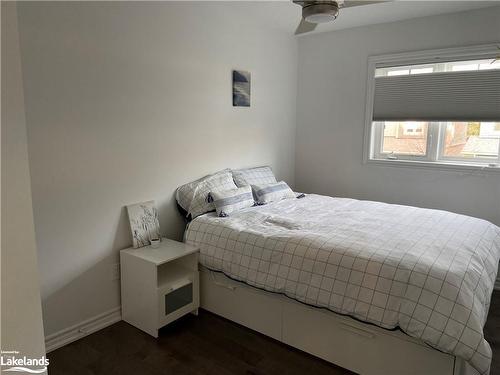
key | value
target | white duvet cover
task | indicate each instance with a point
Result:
(429, 272)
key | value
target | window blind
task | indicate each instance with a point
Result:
(445, 96)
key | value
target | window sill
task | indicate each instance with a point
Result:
(434, 165)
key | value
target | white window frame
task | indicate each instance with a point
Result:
(434, 153)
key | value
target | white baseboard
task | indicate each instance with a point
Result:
(82, 329)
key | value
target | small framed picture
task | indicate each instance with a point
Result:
(241, 88)
(144, 223)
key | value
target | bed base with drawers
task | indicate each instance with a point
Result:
(346, 342)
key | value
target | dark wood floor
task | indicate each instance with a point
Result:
(492, 332)
(206, 344)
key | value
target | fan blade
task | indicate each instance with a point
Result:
(305, 27)
(355, 3)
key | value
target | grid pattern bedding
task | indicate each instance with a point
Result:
(429, 272)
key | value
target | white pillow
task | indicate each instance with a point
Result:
(228, 201)
(194, 196)
(272, 192)
(254, 176)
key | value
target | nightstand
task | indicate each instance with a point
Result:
(159, 285)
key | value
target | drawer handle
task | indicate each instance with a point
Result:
(223, 285)
(230, 287)
(357, 331)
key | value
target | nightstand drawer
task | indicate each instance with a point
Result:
(178, 298)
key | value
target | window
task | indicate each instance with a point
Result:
(452, 66)
(477, 142)
(435, 108)
(403, 139)
(470, 140)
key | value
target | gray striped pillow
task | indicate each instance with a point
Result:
(272, 192)
(229, 201)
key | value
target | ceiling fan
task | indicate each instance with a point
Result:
(314, 12)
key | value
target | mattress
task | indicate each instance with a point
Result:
(428, 272)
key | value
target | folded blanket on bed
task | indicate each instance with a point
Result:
(429, 272)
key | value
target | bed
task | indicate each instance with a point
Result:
(373, 287)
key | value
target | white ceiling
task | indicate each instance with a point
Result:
(285, 16)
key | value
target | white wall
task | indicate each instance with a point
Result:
(124, 103)
(331, 107)
(21, 311)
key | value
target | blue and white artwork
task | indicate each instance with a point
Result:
(241, 88)
(144, 223)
